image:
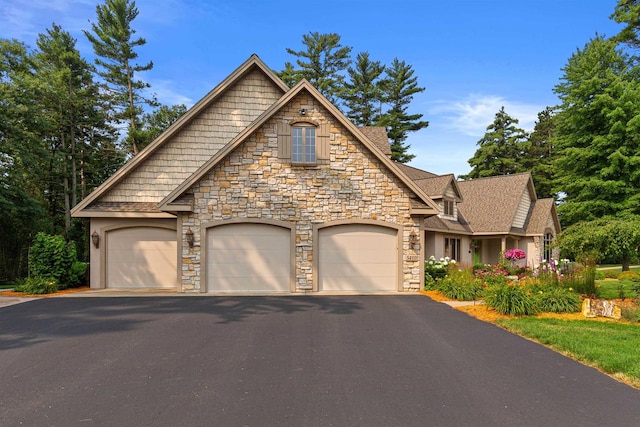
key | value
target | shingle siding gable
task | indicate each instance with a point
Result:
(522, 212)
(198, 141)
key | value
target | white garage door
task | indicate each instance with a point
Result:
(141, 257)
(361, 258)
(248, 258)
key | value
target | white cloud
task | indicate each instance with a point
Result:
(472, 114)
(164, 90)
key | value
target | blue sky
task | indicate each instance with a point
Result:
(472, 56)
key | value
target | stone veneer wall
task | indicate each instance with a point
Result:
(252, 182)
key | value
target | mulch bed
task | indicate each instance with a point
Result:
(487, 314)
(55, 294)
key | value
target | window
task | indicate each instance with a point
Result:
(449, 208)
(452, 248)
(547, 249)
(303, 144)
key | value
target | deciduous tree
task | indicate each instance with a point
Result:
(615, 238)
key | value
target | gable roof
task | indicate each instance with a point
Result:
(426, 205)
(490, 204)
(415, 173)
(377, 135)
(253, 63)
(540, 216)
(437, 186)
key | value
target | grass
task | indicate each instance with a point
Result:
(6, 286)
(610, 347)
(608, 289)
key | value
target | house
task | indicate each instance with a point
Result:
(481, 218)
(259, 188)
(264, 188)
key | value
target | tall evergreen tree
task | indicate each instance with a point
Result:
(628, 12)
(540, 154)
(322, 63)
(114, 44)
(500, 149)
(363, 92)
(598, 133)
(22, 205)
(71, 106)
(399, 87)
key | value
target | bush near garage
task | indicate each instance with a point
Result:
(53, 258)
(36, 285)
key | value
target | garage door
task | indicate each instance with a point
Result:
(141, 257)
(361, 258)
(248, 258)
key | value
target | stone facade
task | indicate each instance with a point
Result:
(253, 182)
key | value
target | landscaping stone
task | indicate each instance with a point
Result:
(602, 308)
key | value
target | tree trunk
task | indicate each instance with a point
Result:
(67, 202)
(625, 262)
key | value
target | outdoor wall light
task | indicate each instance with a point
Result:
(189, 235)
(95, 239)
(414, 240)
(302, 111)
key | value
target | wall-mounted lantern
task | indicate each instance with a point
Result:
(189, 236)
(95, 239)
(414, 240)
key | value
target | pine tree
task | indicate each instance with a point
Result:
(598, 134)
(114, 46)
(363, 91)
(323, 63)
(500, 149)
(398, 89)
(540, 155)
(628, 12)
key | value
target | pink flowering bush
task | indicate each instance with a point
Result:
(514, 254)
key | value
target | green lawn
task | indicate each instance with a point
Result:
(608, 289)
(611, 347)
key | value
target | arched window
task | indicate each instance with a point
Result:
(303, 143)
(547, 249)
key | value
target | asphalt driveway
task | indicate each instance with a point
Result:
(299, 361)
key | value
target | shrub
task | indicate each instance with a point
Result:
(582, 280)
(54, 258)
(631, 314)
(510, 299)
(629, 276)
(491, 275)
(460, 285)
(437, 269)
(36, 285)
(636, 288)
(558, 300)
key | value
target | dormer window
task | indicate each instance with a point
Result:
(449, 207)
